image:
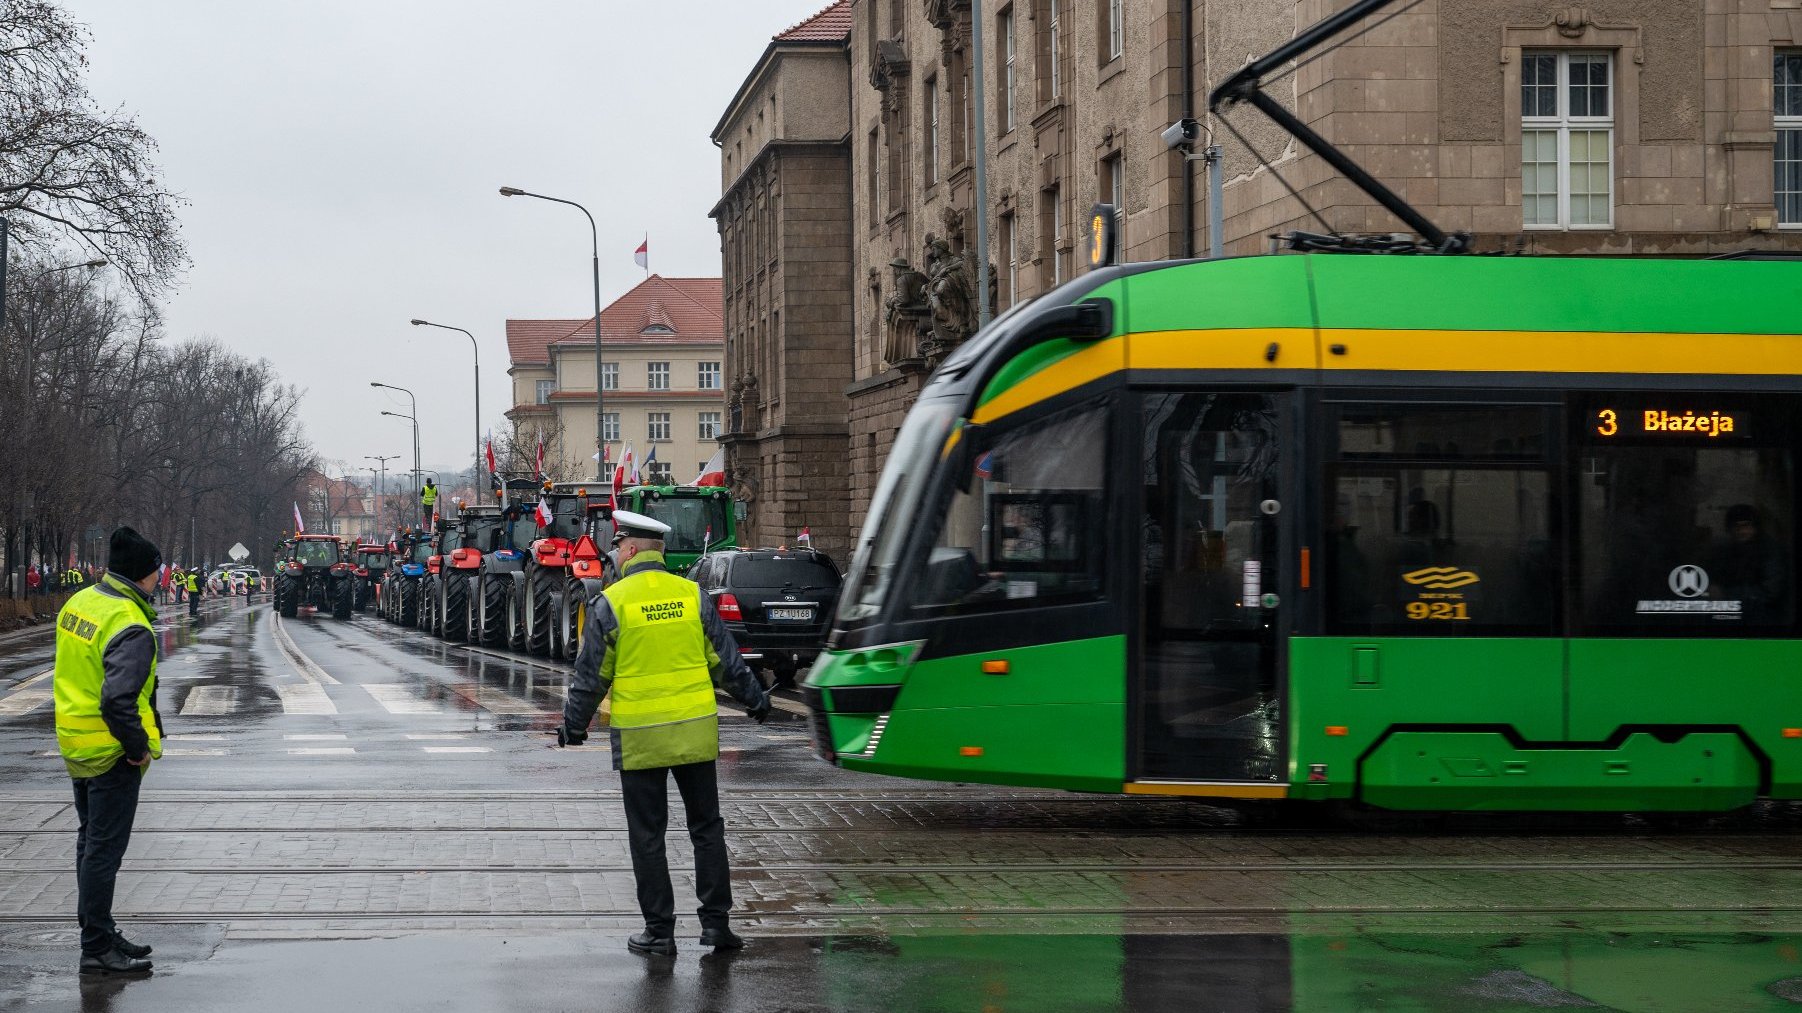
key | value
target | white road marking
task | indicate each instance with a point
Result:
(305, 698)
(457, 749)
(193, 738)
(193, 752)
(25, 702)
(323, 751)
(496, 701)
(297, 658)
(331, 737)
(398, 699)
(210, 701)
(452, 737)
(34, 680)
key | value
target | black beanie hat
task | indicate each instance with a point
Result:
(131, 555)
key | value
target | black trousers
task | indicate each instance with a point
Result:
(106, 805)
(193, 603)
(646, 794)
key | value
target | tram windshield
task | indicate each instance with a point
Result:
(893, 508)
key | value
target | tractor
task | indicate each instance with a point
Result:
(566, 566)
(400, 594)
(371, 563)
(700, 519)
(494, 606)
(318, 576)
(476, 531)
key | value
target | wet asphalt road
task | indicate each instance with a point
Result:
(355, 816)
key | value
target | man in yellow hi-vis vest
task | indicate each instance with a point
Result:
(428, 500)
(656, 642)
(108, 731)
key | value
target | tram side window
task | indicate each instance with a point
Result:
(1439, 521)
(1686, 531)
(1027, 529)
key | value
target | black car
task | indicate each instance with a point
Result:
(778, 603)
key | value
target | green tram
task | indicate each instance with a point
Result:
(1441, 533)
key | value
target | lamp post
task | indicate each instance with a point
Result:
(478, 353)
(381, 487)
(600, 421)
(413, 418)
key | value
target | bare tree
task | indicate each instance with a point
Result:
(71, 172)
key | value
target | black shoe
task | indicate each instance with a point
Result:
(722, 938)
(644, 942)
(112, 962)
(129, 948)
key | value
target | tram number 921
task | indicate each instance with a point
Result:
(1443, 610)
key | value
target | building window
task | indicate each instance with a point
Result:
(932, 131)
(610, 426)
(875, 173)
(1051, 229)
(1010, 254)
(656, 376)
(658, 473)
(544, 390)
(657, 425)
(609, 376)
(708, 376)
(1787, 96)
(1567, 140)
(1113, 24)
(1004, 26)
(1113, 189)
(1055, 43)
(710, 425)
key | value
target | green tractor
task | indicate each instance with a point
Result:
(700, 519)
(317, 576)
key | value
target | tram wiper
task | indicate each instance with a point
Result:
(1248, 86)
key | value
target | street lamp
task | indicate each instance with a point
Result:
(477, 349)
(600, 422)
(413, 417)
(382, 488)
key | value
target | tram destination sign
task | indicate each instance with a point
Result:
(1653, 422)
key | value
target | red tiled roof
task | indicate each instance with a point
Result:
(830, 25)
(691, 307)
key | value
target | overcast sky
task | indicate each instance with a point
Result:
(341, 160)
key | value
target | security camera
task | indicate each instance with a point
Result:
(1182, 134)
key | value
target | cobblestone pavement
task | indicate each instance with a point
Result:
(355, 797)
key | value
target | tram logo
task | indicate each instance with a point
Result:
(1689, 581)
(1441, 578)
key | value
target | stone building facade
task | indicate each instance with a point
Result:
(663, 355)
(1667, 127)
(785, 237)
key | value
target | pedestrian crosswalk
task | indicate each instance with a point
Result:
(311, 698)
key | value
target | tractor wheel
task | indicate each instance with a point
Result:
(406, 603)
(492, 614)
(540, 611)
(573, 612)
(453, 624)
(287, 596)
(343, 599)
(516, 615)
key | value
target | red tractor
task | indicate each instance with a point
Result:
(568, 564)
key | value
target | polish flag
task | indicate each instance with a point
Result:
(805, 538)
(714, 471)
(299, 525)
(642, 255)
(543, 514)
(623, 473)
(489, 454)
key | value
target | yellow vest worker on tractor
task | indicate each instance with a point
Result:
(108, 731)
(428, 497)
(654, 640)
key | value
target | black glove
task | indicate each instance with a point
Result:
(567, 736)
(761, 712)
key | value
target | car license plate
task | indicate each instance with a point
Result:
(793, 614)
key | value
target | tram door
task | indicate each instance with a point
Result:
(1205, 693)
